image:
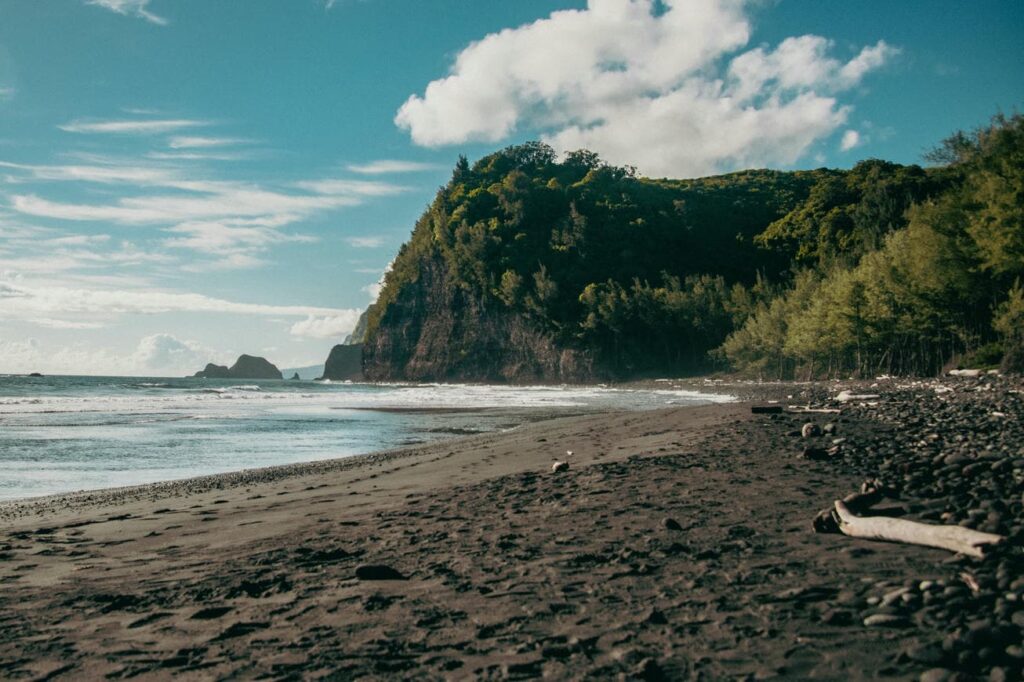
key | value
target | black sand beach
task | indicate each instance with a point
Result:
(678, 545)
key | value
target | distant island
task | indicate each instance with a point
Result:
(246, 367)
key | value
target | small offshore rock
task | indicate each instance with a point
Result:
(559, 467)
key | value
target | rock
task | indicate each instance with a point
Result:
(344, 363)
(649, 670)
(936, 675)
(816, 454)
(378, 572)
(212, 371)
(766, 409)
(810, 430)
(886, 620)
(296, 377)
(656, 617)
(670, 524)
(559, 467)
(246, 367)
(929, 654)
(837, 617)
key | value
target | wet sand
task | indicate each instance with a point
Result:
(677, 545)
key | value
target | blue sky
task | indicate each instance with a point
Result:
(183, 180)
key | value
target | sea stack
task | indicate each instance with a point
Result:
(246, 367)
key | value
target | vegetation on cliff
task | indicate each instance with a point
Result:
(879, 268)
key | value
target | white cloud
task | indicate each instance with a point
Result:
(365, 242)
(26, 301)
(165, 353)
(51, 323)
(135, 8)
(373, 290)
(193, 142)
(386, 166)
(157, 354)
(132, 127)
(653, 84)
(31, 355)
(105, 174)
(363, 188)
(851, 139)
(327, 326)
(6, 92)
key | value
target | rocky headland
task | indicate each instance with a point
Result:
(345, 363)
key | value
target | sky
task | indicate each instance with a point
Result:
(183, 181)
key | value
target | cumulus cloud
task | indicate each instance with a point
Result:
(327, 326)
(158, 354)
(166, 353)
(134, 8)
(660, 85)
(31, 355)
(373, 290)
(851, 139)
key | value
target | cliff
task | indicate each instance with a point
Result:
(345, 363)
(246, 367)
(434, 330)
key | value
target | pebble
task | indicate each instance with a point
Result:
(810, 430)
(378, 572)
(670, 524)
(885, 620)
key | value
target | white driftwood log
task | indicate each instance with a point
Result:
(954, 538)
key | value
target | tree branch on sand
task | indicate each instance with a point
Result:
(954, 538)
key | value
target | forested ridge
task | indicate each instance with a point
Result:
(880, 268)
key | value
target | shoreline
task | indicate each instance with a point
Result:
(678, 544)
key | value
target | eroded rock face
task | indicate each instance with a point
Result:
(435, 331)
(344, 363)
(246, 367)
(213, 371)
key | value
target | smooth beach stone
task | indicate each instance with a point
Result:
(378, 572)
(810, 429)
(886, 620)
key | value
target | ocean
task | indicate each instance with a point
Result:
(61, 434)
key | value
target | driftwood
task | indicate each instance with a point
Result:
(954, 538)
(766, 409)
(796, 409)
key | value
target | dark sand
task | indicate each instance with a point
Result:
(510, 570)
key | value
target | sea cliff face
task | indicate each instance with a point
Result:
(345, 362)
(436, 331)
